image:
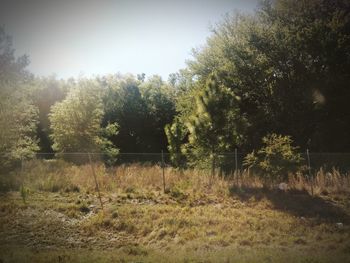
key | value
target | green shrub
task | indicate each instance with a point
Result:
(177, 193)
(276, 159)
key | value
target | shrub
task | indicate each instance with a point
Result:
(275, 159)
(177, 193)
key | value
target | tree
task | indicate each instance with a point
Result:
(76, 122)
(142, 109)
(216, 125)
(46, 93)
(141, 77)
(289, 65)
(18, 116)
(124, 105)
(276, 159)
(176, 135)
(160, 102)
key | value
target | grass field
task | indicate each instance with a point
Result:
(57, 217)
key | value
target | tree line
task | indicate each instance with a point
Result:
(283, 70)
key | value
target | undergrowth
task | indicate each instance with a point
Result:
(60, 176)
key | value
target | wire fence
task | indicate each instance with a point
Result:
(231, 161)
(54, 171)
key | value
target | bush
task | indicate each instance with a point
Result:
(276, 159)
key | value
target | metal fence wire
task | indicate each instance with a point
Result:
(160, 166)
(121, 158)
(230, 162)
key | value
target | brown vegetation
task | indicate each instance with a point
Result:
(199, 218)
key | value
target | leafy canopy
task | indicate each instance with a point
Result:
(215, 125)
(76, 122)
(18, 115)
(275, 159)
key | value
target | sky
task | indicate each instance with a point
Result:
(71, 38)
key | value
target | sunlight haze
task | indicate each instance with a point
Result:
(72, 38)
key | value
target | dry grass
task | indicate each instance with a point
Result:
(198, 219)
(53, 225)
(322, 183)
(57, 175)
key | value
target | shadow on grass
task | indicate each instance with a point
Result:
(297, 203)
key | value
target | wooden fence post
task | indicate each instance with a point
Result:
(213, 166)
(236, 167)
(96, 183)
(309, 169)
(163, 167)
(22, 167)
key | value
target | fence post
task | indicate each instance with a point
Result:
(22, 167)
(236, 166)
(309, 169)
(22, 173)
(96, 183)
(213, 166)
(163, 172)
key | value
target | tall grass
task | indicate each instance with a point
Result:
(58, 175)
(322, 182)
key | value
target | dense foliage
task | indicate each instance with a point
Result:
(18, 115)
(283, 70)
(142, 109)
(290, 65)
(276, 159)
(76, 122)
(215, 124)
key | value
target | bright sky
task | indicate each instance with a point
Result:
(74, 37)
